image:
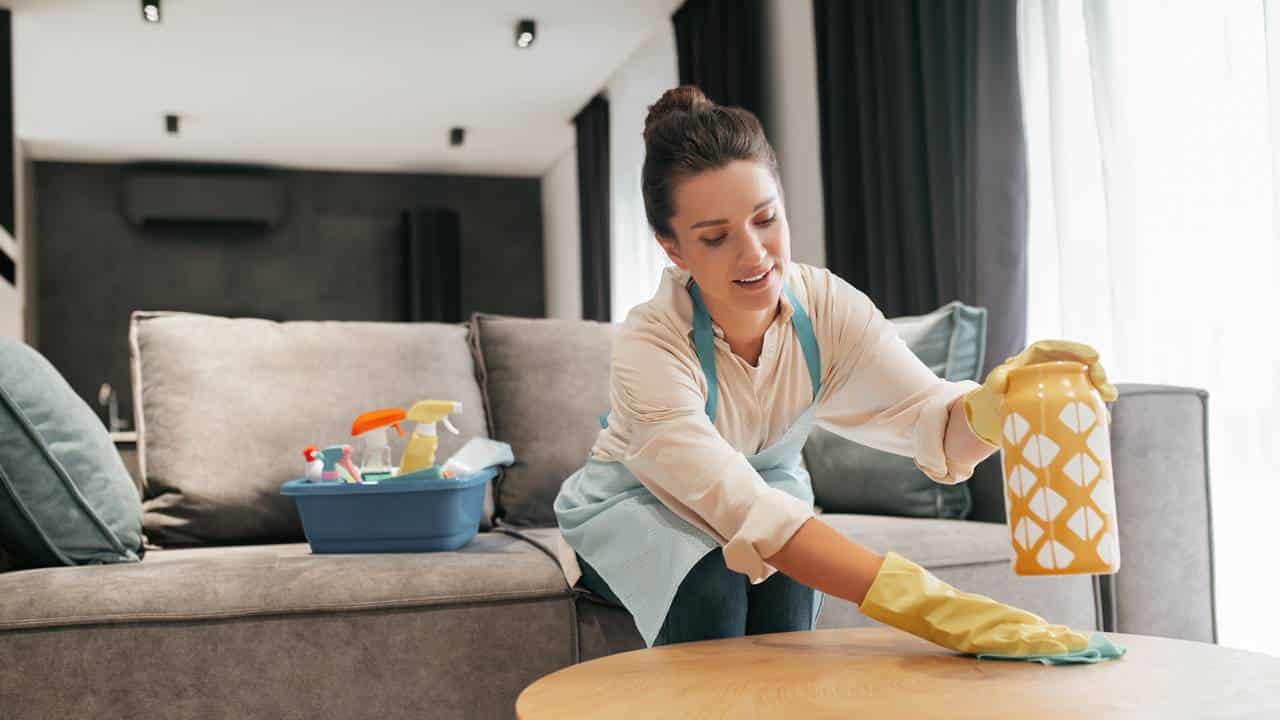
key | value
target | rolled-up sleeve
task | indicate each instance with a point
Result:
(875, 391)
(678, 454)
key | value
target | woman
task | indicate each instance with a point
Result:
(693, 511)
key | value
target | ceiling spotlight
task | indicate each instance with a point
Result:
(525, 31)
(455, 136)
(171, 124)
(151, 11)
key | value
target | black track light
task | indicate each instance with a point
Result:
(171, 124)
(455, 136)
(151, 11)
(526, 31)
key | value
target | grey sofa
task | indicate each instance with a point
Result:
(244, 622)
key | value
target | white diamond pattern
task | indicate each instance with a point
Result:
(1027, 533)
(1081, 469)
(1021, 480)
(1015, 426)
(1040, 450)
(1100, 444)
(1085, 523)
(1077, 416)
(1046, 504)
(1054, 555)
(1107, 548)
(1103, 496)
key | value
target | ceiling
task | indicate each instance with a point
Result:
(371, 85)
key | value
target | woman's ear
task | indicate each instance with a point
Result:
(672, 248)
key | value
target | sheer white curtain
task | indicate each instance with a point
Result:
(1152, 137)
(636, 258)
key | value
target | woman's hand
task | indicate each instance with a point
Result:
(982, 406)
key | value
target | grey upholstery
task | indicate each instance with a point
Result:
(273, 631)
(225, 407)
(269, 631)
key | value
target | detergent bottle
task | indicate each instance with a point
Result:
(420, 452)
(375, 459)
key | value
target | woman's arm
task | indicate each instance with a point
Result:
(817, 555)
(820, 557)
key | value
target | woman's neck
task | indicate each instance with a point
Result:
(744, 330)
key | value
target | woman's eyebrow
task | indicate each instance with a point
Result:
(722, 221)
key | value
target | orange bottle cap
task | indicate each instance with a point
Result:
(376, 419)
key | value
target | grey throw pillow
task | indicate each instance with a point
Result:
(853, 478)
(66, 497)
(545, 382)
(225, 405)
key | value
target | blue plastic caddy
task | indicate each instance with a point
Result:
(417, 512)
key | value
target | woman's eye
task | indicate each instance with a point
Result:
(769, 220)
(715, 241)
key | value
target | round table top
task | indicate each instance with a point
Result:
(883, 672)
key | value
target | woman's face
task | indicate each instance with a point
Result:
(732, 236)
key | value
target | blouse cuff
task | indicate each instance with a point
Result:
(774, 517)
(931, 431)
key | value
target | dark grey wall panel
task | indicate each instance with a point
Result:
(336, 256)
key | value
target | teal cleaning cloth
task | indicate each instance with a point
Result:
(1100, 648)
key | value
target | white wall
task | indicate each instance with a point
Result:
(792, 112)
(561, 238)
(12, 309)
(635, 256)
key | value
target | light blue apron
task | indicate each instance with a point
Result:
(639, 546)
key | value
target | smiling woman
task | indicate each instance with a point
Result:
(694, 496)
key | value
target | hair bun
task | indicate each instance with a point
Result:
(686, 98)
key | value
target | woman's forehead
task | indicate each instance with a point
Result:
(731, 191)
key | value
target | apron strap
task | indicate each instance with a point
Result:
(808, 341)
(704, 344)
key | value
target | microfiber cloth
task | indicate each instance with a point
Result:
(1100, 648)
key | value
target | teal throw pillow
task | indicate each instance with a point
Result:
(853, 478)
(66, 497)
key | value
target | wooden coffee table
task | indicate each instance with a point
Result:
(884, 673)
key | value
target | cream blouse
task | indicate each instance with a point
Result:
(875, 392)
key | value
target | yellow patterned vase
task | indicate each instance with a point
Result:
(1056, 450)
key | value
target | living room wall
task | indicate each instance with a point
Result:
(337, 256)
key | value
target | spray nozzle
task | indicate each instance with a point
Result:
(428, 412)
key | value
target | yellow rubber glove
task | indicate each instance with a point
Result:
(982, 405)
(910, 598)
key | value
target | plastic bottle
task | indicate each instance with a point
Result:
(375, 456)
(420, 451)
(337, 464)
(476, 455)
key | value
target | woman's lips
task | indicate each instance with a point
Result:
(761, 282)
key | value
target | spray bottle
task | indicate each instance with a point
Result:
(315, 466)
(337, 464)
(375, 460)
(420, 452)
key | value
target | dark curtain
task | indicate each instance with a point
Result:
(592, 125)
(718, 49)
(923, 162)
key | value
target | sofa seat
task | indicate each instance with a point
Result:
(454, 634)
(973, 556)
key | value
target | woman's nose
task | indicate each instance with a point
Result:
(754, 250)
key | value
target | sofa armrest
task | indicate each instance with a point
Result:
(1160, 455)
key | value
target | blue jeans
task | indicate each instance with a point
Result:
(715, 602)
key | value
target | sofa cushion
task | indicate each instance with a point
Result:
(546, 383)
(273, 632)
(184, 584)
(853, 478)
(224, 407)
(65, 495)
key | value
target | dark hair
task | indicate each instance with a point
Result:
(685, 134)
